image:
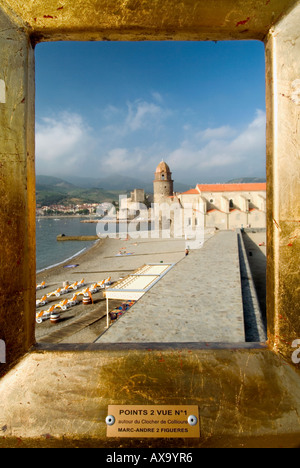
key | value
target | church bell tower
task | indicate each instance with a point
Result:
(163, 183)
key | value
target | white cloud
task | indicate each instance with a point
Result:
(157, 97)
(62, 143)
(224, 151)
(141, 114)
(223, 132)
(66, 144)
(121, 160)
(111, 112)
(136, 162)
(138, 115)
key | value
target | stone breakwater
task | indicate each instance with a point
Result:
(199, 300)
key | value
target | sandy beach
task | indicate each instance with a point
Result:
(117, 258)
(113, 258)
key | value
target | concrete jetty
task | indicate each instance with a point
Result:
(63, 238)
(199, 300)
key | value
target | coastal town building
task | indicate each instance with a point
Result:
(248, 395)
(84, 208)
(229, 206)
(138, 196)
(223, 206)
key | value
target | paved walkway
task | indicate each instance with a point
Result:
(199, 300)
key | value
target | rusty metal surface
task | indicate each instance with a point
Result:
(283, 188)
(17, 190)
(58, 397)
(62, 397)
(144, 19)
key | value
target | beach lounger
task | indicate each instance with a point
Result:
(41, 302)
(94, 288)
(55, 293)
(83, 292)
(107, 282)
(81, 284)
(63, 305)
(101, 284)
(74, 301)
(74, 286)
(44, 315)
(41, 286)
(65, 290)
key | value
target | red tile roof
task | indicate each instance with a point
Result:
(254, 187)
(191, 192)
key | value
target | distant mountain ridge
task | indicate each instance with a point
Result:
(247, 180)
(55, 191)
(71, 189)
(52, 190)
(53, 183)
(113, 182)
(119, 183)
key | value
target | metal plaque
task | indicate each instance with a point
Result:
(153, 421)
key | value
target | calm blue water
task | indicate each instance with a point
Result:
(50, 252)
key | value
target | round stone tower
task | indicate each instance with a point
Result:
(163, 183)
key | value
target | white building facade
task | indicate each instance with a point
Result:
(229, 206)
(223, 206)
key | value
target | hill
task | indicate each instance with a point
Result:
(120, 184)
(54, 191)
(112, 183)
(247, 180)
(78, 190)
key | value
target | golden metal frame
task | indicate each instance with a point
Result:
(247, 395)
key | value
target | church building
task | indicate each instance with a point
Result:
(224, 206)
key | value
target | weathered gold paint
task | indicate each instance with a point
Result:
(59, 397)
(17, 191)
(283, 175)
(144, 19)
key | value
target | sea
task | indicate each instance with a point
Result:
(50, 252)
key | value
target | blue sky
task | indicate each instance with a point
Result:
(119, 107)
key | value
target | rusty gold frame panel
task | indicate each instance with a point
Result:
(246, 397)
(149, 421)
(146, 19)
